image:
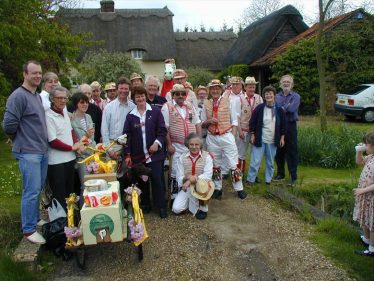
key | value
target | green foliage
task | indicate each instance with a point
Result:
(29, 30)
(339, 240)
(104, 66)
(349, 56)
(12, 271)
(299, 61)
(199, 76)
(241, 70)
(331, 149)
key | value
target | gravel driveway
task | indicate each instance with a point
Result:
(251, 239)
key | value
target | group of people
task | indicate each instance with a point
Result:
(204, 134)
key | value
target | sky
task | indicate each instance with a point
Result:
(210, 13)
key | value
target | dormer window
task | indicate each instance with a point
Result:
(137, 54)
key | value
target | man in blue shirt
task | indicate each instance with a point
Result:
(289, 101)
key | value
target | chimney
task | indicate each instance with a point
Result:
(107, 6)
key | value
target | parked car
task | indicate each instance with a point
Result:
(357, 102)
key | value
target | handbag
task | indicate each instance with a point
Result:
(54, 234)
(55, 211)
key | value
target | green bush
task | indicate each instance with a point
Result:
(331, 149)
(199, 76)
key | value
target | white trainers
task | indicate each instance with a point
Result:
(36, 238)
(41, 222)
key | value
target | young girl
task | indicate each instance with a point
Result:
(363, 211)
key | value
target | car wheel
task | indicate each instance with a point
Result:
(368, 115)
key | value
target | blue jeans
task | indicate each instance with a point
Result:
(256, 156)
(33, 169)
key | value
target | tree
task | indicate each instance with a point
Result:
(321, 63)
(202, 28)
(106, 67)
(257, 10)
(199, 76)
(29, 30)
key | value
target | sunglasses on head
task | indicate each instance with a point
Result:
(178, 94)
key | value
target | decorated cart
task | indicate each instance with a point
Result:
(104, 218)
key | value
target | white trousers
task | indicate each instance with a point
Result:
(185, 200)
(179, 150)
(243, 145)
(224, 146)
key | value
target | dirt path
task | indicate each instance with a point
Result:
(253, 239)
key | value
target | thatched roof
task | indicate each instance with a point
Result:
(150, 30)
(270, 57)
(265, 34)
(203, 49)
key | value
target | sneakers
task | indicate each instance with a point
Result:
(201, 215)
(41, 222)
(365, 253)
(292, 183)
(36, 238)
(278, 178)
(362, 239)
(242, 194)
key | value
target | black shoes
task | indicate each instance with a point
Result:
(278, 178)
(146, 209)
(365, 253)
(217, 194)
(201, 215)
(163, 213)
(242, 194)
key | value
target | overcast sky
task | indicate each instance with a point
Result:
(210, 13)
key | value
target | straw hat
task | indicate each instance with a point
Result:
(200, 87)
(215, 82)
(178, 88)
(250, 80)
(110, 86)
(135, 75)
(236, 80)
(95, 84)
(203, 189)
(179, 73)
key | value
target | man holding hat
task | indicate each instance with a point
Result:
(249, 101)
(194, 176)
(181, 119)
(110, 91)
(221, 120)
(180, 77)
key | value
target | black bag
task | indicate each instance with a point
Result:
(53, 233)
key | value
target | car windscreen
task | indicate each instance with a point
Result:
(356, 90)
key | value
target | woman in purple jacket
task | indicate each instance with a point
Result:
(146, 132)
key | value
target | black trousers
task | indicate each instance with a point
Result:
(158, 186)
(288, 152)
(61, 180)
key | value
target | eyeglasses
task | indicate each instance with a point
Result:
(61, 98)
(178, 94)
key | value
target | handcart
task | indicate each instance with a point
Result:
(104, 218)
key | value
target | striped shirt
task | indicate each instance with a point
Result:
(114, 116)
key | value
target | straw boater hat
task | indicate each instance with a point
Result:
(135, 75)
(216, 82)
(200, 87)
(250, 80)
(236, 80)
(178, 88)
(179, 73)
(203, 189)
(110, 86)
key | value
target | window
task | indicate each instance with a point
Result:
(137, 54)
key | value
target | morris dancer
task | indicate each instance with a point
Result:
(221, 119)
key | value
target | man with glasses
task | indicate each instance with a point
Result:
(25, 123)
(181, 119)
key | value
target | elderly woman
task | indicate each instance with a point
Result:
(61, 152)
(267, 128)
(146, 132)
(49, 82)
(83, 127)
(191, 166)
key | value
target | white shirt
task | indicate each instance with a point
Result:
(59, 127)
(182, 111)
(268, 129)
(142, 122)
(114, 116)
(233, 113)
(208, 168)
